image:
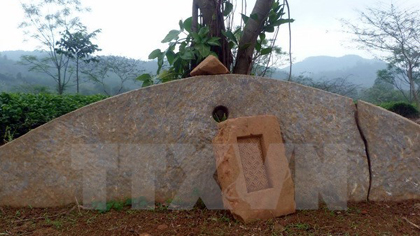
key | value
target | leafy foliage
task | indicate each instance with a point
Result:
(122, 68)
(78, 47)
(340, 86)
(184, 53)
(382, 92)
(44, 21)
(402, 108)
(181, 53)
(20, 113)
(395, 33)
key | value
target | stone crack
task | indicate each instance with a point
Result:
(356, 116)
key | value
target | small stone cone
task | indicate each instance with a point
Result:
(210, 66)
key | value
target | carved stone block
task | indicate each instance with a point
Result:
(252, 168)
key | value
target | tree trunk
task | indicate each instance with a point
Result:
(251, 32)
(413, 91)
(77, 74)
(213, 18)
(60, 86)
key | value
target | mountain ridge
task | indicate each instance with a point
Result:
(356, 69)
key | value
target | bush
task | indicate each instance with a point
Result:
(20, 113)
(402, 108)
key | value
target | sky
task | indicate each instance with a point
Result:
(134, 28)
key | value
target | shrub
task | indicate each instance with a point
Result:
(20, 113)
(402, 108)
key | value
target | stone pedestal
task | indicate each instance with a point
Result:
(252, 168)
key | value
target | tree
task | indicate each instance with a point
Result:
(396, 78)
(206, 34)
(395, 33)
(263, 62)
(44, 21)
(112, 72)
(382, 92)
(78, 47)
(338, 85)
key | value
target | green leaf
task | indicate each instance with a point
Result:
(228, 8)
(196, 37)
(172, 46)
(203, 32)
(182, 46)
(272, 17)
(262, 37)
(245, 18)
(254, 16)
(181, 25)
(147, 83)
(144, 77)
(214, 41)
(231, 45)
(276, 6)
(188, 24)
(266, 51)
(230, 36)
(282, 21)
(214, 54)
(156, 53)
(173, 34)
(269, 28)
(258, 46)
(280, 14)
(170, 55)
(160, 63)
(188, 55)
(203, 49)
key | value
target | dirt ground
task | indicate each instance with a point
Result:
(374, 218)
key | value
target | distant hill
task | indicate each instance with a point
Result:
(15, 77)
(358, 70)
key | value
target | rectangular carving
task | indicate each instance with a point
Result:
(251, 154)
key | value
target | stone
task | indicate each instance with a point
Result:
(155, 143)
(252, 169)
(393, 144)
(210, 66)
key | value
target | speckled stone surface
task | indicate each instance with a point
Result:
(394, 151)
(157, 142)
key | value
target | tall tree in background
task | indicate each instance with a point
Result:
(100, 72)
(382, 91)
(78, 47)
(44, 22)
(395, 33)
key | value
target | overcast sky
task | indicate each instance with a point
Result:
(133, 28)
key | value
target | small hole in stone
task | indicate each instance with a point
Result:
(220, 113)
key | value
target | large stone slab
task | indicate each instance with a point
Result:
(252, 168)
(394, 151)
(156, 142)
